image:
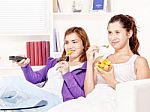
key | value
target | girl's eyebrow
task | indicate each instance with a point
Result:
(74, 40)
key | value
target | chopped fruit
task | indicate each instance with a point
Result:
(104, 64)
(69, 52)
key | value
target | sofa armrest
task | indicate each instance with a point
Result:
(133, 96)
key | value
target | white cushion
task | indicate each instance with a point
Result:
(133, 96)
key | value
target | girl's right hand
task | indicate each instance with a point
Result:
(23, 62)
(90, 53)
(63, 67)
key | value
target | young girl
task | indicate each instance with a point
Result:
(127, 65)
(72, 72)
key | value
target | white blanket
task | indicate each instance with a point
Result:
(16, 92)
(101, 99)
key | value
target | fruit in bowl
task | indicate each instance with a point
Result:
(104, 64)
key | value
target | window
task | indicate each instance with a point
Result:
(24, 17)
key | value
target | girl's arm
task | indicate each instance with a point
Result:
(40, 75)
(90, 78)
(142, 68)
(34, 76)
(89, 83)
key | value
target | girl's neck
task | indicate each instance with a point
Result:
(120, 57)
(73, 62)
(125, 52)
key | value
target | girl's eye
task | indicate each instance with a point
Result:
(117, 32)
(66, 42)
(75, 42)
(109, 32)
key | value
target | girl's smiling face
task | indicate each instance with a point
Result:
(73, 43)
(118, 36)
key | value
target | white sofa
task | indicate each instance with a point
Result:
(133, 96)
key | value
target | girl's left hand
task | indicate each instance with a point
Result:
(107, 76)
(63, 67)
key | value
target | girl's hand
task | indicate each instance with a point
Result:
(63, 67)
(107, 76)
(90, 53)
(23, 62)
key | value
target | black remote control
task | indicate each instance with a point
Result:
(16, 58)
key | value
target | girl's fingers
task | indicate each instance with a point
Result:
(63, 67)
(63, 63)
(23, 62)
(100, 71)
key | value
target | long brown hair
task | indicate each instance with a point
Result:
(85, 40)
(129, 24)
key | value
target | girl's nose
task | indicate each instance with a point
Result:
(70, 45)
(113, 37)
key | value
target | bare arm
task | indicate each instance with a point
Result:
(142, 68)
(90, 80)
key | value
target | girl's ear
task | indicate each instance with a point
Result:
(130, 33)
